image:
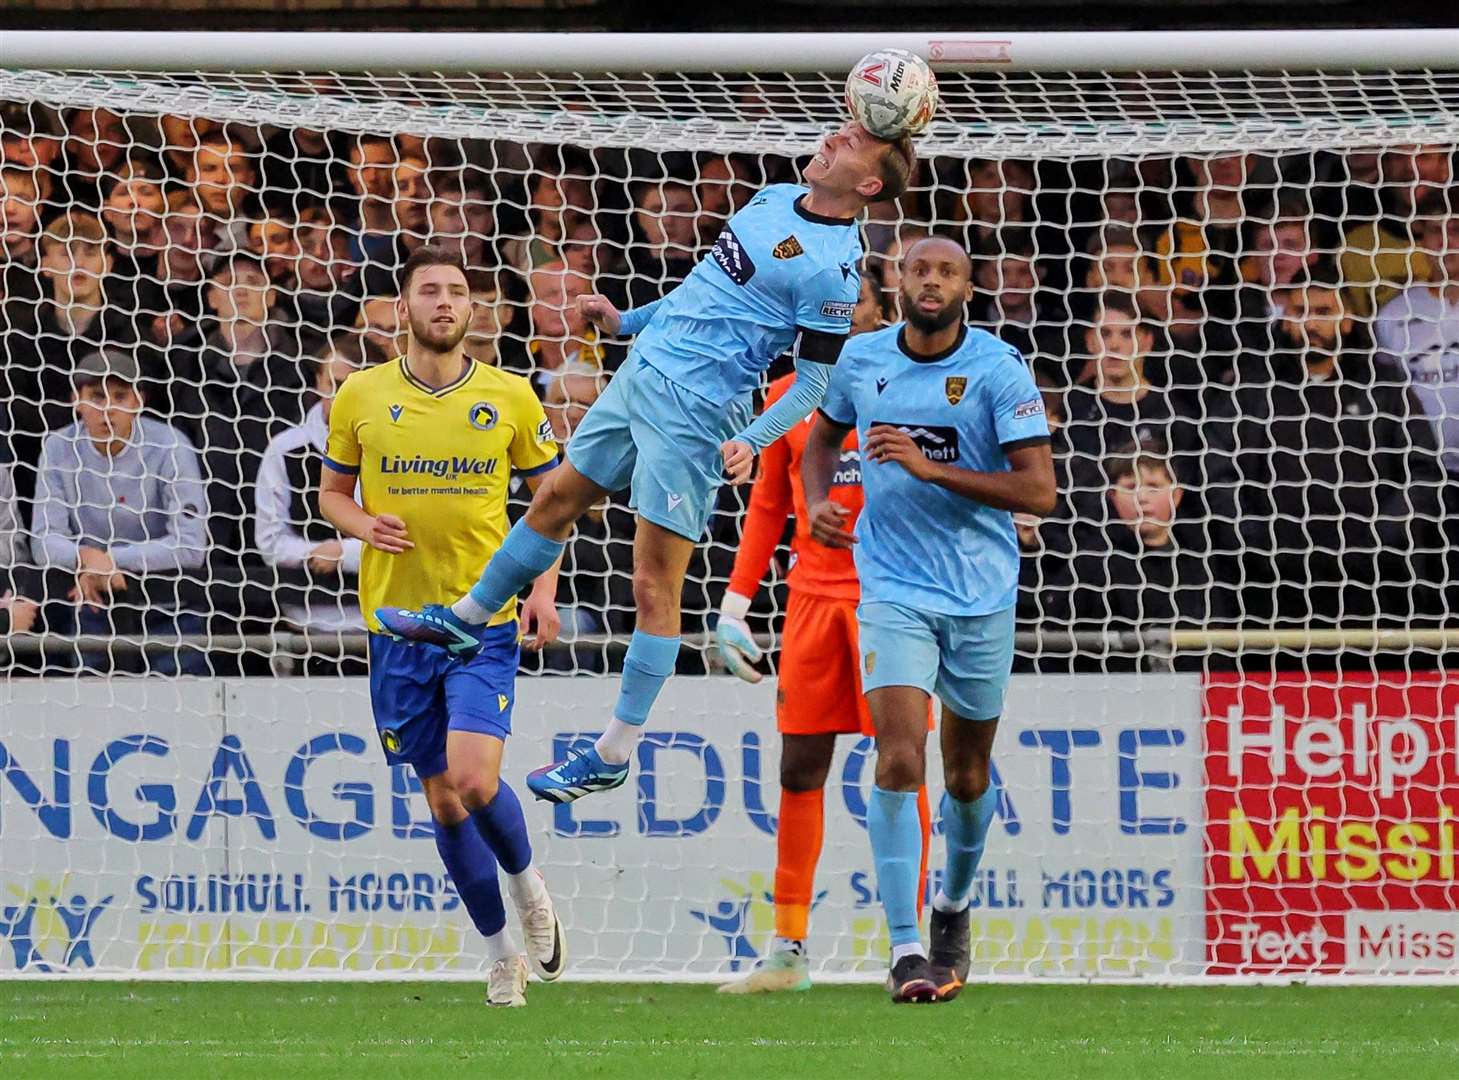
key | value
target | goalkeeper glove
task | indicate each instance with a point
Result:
(737, 646)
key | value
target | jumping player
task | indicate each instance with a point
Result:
(954, 441)
(676, 419)
(432, 438)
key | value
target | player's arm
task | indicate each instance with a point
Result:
(383, 532)
(601, 312)
(1028, 485)
(533, 453)
(819, 461)
(771, 500)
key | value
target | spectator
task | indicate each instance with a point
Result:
(248, 384)
(96, 142)
(724, 187)
(1122, 411)
(180, 138)
(135, 213)
(272, 240)
(462, 220)
(1420, 327)
(1148, 566)
(329, 283)
(561, 336)
(379, 323)
(412, 202)
(887, 266)
(1339, 472)
(1007, 304)
(300, 163)
(18, 612)
(1277, 253)
(224, 178)
(75, 319)
(187, 260)
(997, 209)
(319, 569)
(490, 315)
(1045, 584)
(20, 206)
(559, 197)
(376, 245)
(868, 314)
(119, 511)
(1380, 255)
(665, 236)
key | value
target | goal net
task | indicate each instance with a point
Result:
(1230, 745)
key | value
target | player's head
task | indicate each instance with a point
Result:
(435, 298)
(937, 283)
(851, 159)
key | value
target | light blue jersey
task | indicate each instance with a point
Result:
(921, 546)
(775, 269)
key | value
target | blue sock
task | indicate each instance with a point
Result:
(502, 826)
(896, 850)
(471, 866)
(649, 663)
(965, 825)
(524, 555)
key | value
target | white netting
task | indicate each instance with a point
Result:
(1176, 254)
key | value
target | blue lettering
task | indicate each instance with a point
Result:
(1004, 807)
(862, 890)
(161, 796)
(361, 795)
(754, 799)
(851, 779)
(649, 822)
(56, 814)
(1060, 744)
(144, 890)
(1132, 780)
(403, 784)
(231, 760)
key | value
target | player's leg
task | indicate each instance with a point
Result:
(899, 670)
(480, 695)
(473, 870)
(976, 658)
(660, 561)
(805, 760)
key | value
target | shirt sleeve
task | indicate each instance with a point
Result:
(53, 530)
(342, 451)
(533, 449)
(1018, 408)
(837, 405)
(827, 299)
(771, 500)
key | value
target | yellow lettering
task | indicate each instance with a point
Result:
(1358, 861)
(1286, 837)
(1446, 843)
(1409, 861)
(1317, 842)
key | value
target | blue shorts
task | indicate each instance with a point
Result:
(418, 693)
(963, 659)
(655, 437)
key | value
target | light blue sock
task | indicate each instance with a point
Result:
(649, 663)
(524, 555)
(896, 851)
(965, 825)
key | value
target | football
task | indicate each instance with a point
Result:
(891, 93)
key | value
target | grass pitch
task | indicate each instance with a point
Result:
(215, 1031)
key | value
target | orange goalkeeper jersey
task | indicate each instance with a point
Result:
(779, 492)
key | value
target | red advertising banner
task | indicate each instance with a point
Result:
(1331, 807)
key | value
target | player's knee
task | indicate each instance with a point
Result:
(899, 768)
(445, 805)
(551, 513)
(802, 776)
(653, 592)
(475, 790)
(967, 783)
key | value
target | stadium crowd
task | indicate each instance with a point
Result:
(1251, 364)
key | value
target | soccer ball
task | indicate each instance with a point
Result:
(891, 93)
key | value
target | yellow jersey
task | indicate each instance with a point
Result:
(441, 460)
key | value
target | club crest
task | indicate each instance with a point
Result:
(788, 248)
(955, 387)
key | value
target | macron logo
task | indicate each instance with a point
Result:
(674, 501)
(395, 411)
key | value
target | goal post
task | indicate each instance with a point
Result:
(1230, 748)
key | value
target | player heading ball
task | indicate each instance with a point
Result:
(781, 277)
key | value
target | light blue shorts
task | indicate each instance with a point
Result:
(653, 436)
(963, 659)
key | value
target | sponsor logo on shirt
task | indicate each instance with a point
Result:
(544, 433)
(788, 248)
(395, 465)
(1024, 409)
(732, 257)
(955, 387)
(483, 416)
(838, 309)
(936, 441)
(848, 473)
